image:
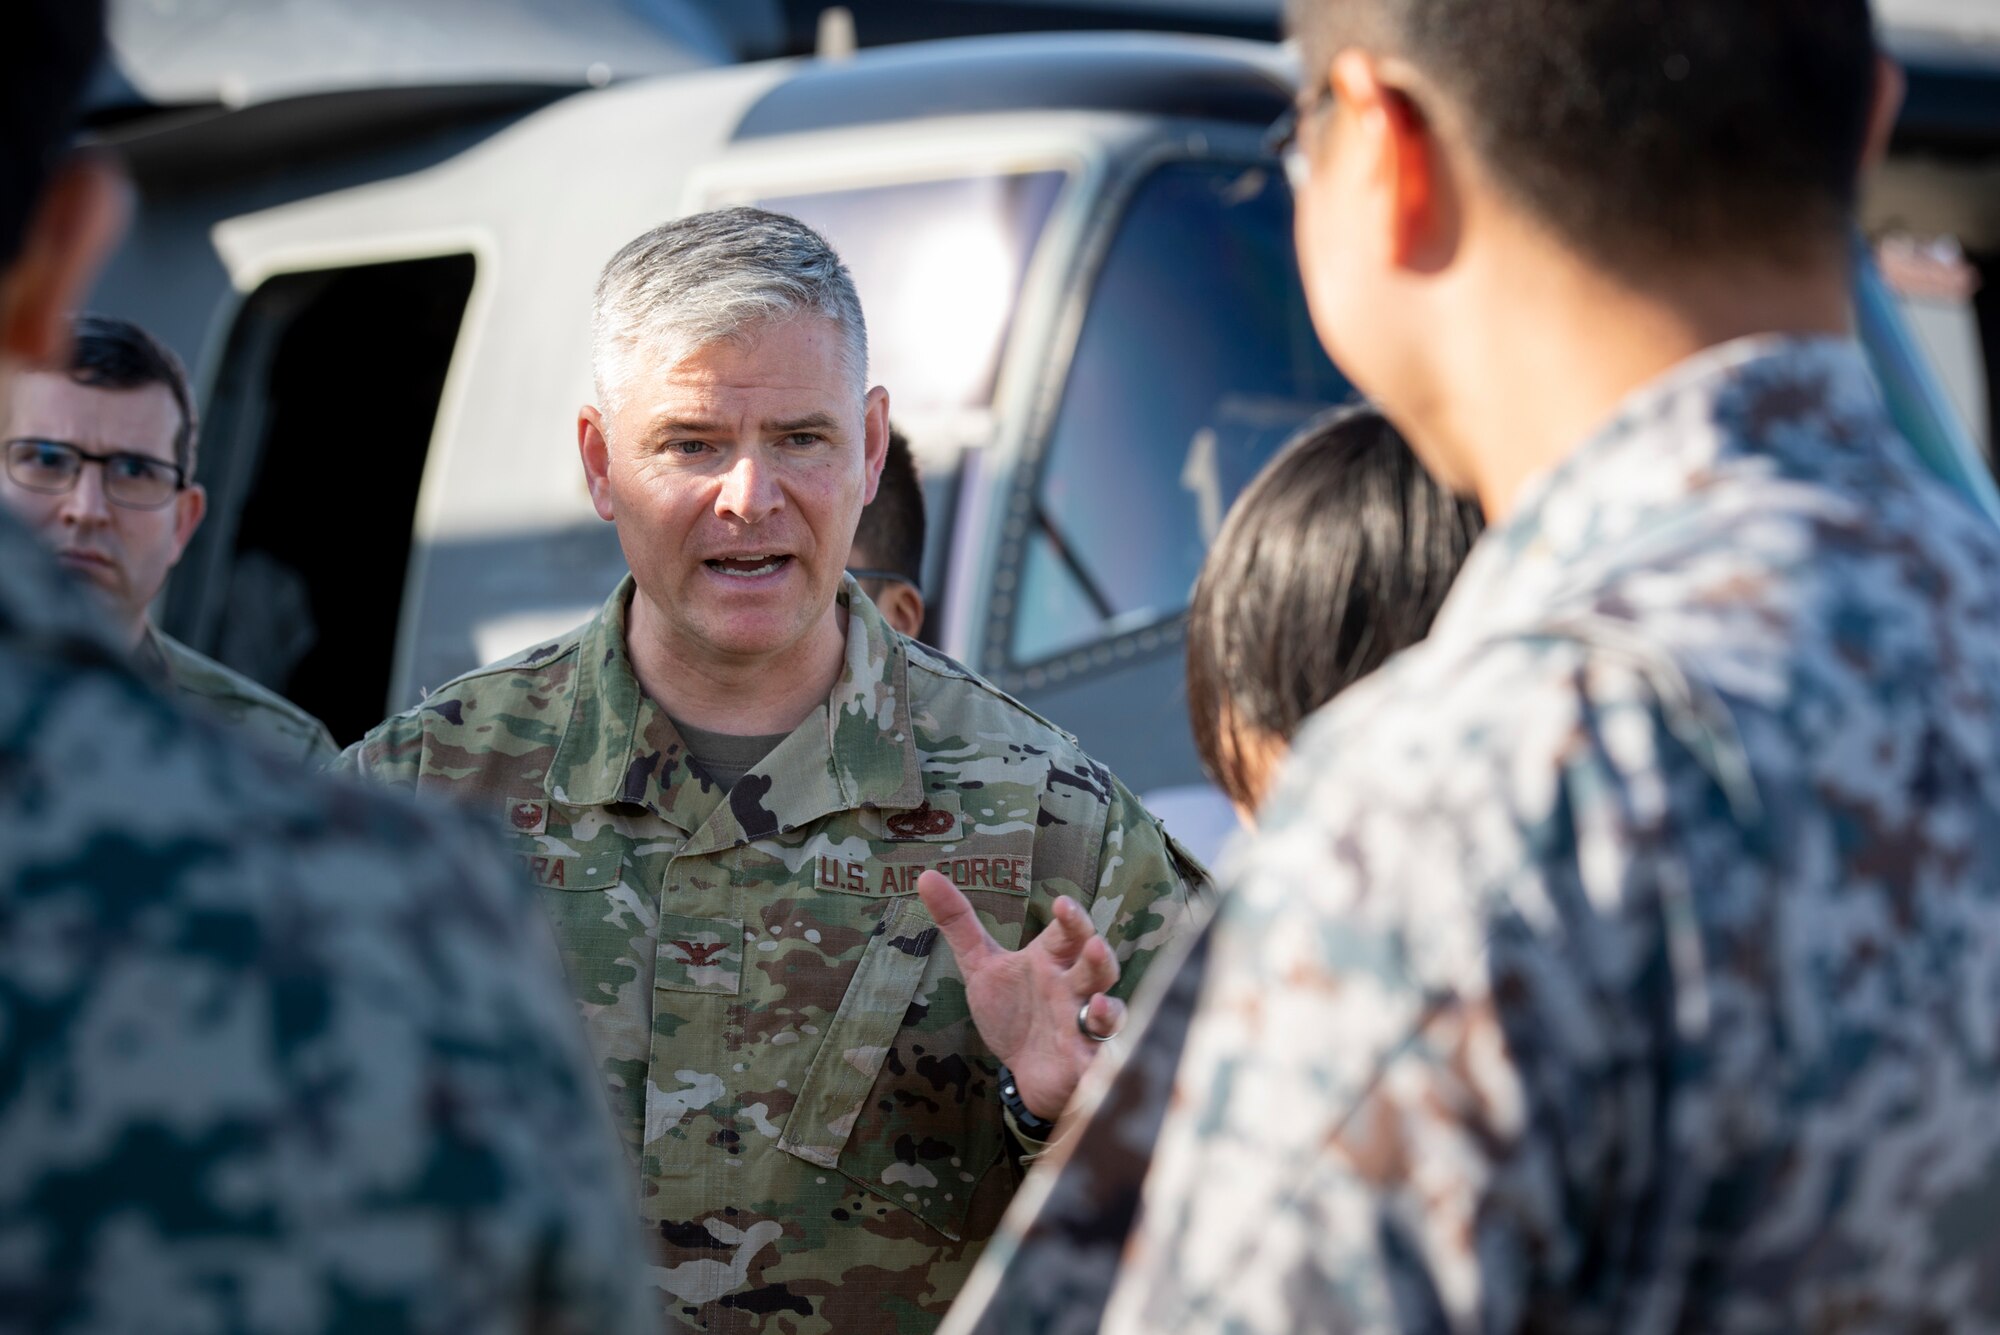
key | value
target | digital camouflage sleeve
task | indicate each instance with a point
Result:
(1624, 958)
(277, 1054)
(816, 1120)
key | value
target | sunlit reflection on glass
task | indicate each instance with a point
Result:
(939, 266)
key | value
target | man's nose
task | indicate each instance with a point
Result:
(85, 503)
(749, 489)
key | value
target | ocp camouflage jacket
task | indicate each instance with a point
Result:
(790, 1056)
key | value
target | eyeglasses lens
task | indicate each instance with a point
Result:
(130, 480)
(41, 466)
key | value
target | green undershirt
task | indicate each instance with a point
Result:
(726, 757)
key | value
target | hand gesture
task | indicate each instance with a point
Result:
(1032, 1005)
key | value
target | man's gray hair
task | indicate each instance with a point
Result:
(717, 275)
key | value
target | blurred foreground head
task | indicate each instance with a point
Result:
(1474, 166)
(1337, 556)
(59, 213)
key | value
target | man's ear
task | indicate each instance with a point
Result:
(875, 424)
(902, 606)
(72, 232)
(1884, 107)
(594, 445)
(1400, 165)
(189, 507)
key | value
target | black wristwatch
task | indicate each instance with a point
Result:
(1036, 1128)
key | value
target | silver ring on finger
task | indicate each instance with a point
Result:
(1083, 1026)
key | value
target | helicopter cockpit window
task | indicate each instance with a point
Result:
(939, 267)
(1195, 361)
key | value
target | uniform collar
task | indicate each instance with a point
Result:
(856, 749)
(1767, 407)
(151, 659)
(618, 747)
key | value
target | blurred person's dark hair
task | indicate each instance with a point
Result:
(1639, 130)
(46, 56)
(110, 353)
(1336, 556)
(891, 533)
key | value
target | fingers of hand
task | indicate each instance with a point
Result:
(1068, 934)
(1095, 969)
(1104, 1016)
(956, 919)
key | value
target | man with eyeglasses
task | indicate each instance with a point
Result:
(100, 461)
(887, 556)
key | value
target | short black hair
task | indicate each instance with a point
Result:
(45, 62)
(110, 353)
(891, 532)
(1337, 555)
(1643, 130)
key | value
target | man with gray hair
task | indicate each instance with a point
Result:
(755, 810)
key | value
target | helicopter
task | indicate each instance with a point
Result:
(1075, 253)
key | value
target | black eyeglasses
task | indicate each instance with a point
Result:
(1281, 141)
(891, 576)
(52, 467)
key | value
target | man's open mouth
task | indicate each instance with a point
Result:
(747, 567)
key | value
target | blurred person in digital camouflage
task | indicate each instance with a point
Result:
(754, 810)
(1625, 956)
(887, 556)
(100, 460)
(276, 1055)
(1336, 557)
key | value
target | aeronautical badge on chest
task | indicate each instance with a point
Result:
(569, 862)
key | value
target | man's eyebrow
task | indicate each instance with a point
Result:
(810, 422)
(820, 421)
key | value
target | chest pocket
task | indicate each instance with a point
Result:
(556, 853)
(580, 878)
(901, 1097)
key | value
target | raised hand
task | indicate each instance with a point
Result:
(1029, 1004)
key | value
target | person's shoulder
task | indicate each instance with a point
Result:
(1484, 743)
(130, 768)
(963, 720)
(532, 684)
(1460, 793)
(258, 710)
(528, 672)
(403, 934)
(957, 700)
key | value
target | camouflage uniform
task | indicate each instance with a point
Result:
(815, 1118)
(275, 1054)
(1627, 956)
(269, 719)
